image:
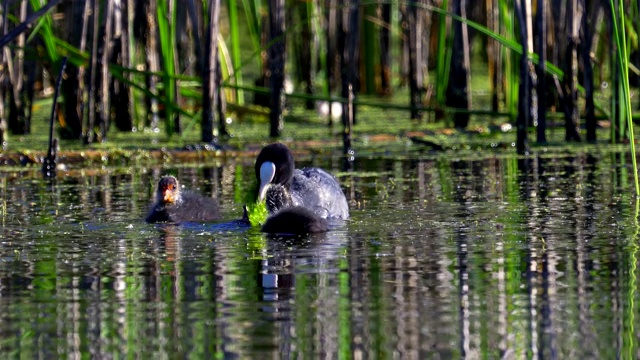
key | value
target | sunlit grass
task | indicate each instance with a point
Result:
(307, 125)
(623, 62)
(167, 32)
(234, 33)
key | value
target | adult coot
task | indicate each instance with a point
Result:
(175, 205)
(311, 188)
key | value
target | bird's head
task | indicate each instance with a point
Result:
(168, 190)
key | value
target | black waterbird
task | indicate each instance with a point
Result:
(175, 205)
(282, 185)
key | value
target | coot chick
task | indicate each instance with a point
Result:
(295, 220)
(287, 218)
(310, 188)
(277, 197)
(174, 205)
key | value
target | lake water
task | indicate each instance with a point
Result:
(479, 256)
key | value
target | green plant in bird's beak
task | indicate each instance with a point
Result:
(257, 212)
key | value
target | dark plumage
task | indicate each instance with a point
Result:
(282, 184)
(295, 220)
(174, 205)
(277, 198)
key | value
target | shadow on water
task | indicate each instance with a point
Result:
(494, 257)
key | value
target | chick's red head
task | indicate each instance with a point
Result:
(168, 190)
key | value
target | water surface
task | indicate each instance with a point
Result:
(444, 257)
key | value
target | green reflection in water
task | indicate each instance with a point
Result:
(483, 255)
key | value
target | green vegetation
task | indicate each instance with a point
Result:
(257, 213)
(123, 87)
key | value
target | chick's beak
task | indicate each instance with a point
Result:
(168, 196)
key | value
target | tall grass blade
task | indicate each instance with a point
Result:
(253, 10)
(510, 70)
(622, 61)
(507, 40)
(443, 54)
(46, 22)
(494, 60)
(234, 30)
(227, 71)
(118, 72)
(166, 28)
(22, 27)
